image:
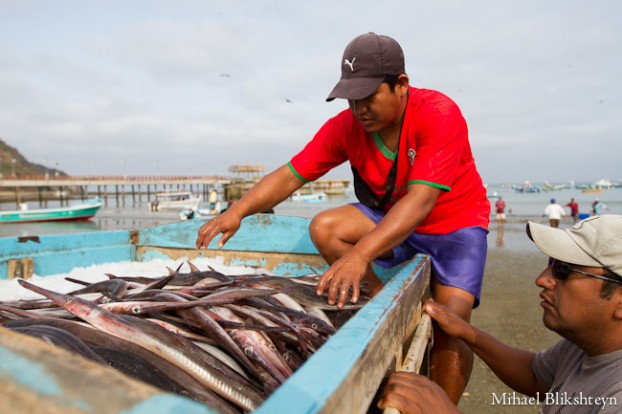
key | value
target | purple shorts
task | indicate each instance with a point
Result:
(458, 258)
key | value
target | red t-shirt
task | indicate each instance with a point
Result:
(500, 205)
(434, 150)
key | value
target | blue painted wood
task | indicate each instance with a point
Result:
(29, 373)
(258, 233)
(49, 264)
(167, 404)
(54, 254)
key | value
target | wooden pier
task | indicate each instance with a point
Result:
(138, 189)
(132, 189)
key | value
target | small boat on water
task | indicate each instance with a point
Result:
(310, 198)
(596, 187)
(179, 200)
(82, 211)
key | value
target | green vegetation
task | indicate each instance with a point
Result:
(14, 164)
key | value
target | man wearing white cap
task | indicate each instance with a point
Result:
(582, 301)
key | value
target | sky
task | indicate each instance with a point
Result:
(191, 87)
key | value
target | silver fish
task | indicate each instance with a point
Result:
(172, 348)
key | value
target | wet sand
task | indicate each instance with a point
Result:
(510, 310)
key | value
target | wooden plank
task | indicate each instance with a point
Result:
(283, 264)
(57, 254)
(38, 377)
(260, 232)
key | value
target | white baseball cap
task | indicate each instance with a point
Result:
(595, 242)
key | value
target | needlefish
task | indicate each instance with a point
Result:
(227, 341)
(172, 348)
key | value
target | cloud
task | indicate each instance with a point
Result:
(195, 86)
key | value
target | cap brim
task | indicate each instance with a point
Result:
(558, 244)
(355, 88)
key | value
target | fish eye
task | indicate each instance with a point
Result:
(136, 310)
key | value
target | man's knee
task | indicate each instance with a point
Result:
(322, 226)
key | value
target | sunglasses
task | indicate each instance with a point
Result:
(562, 270)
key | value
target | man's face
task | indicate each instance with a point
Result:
(381, 110)
(573, 307)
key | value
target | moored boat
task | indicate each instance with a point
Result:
(365, 347)
(309, 198)
(179, 200)
(82, 211)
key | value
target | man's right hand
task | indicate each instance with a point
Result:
(449, 322)
(226, 223)
(412, 393)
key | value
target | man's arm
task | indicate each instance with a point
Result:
(510, 365)
(267, 193)
(400, 221)
(412, 393)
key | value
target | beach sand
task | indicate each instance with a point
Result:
(510, 310)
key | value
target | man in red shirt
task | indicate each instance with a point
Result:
(500, 211)
(574, 209)
(418, 187)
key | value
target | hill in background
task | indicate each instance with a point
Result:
(13, 162)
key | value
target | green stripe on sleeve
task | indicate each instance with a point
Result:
(431, 184)
(300, 177)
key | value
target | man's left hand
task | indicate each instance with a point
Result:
(344, 275)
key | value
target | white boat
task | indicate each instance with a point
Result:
(309, 198)
(175, 201)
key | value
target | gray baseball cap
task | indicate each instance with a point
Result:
(367, 60)
(595, 242)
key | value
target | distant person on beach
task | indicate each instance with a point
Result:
(598, 207)
(582, 301)
(500, 210)
(213, 199)
(574, 209)
(554, 212)
(417, 185)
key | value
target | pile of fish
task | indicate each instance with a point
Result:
(227, 341)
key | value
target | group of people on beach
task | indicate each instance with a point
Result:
(419, 191)
(554, 211)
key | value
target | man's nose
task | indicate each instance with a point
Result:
(546, 280)
(357, 106)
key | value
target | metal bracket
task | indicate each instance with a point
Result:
(134, 237)
(20, 268)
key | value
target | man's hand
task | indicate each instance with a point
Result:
(448, 321)
(412, 393)
(226, 223)
(344, 275)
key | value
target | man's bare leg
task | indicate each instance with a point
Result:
(451, 360)
(334, 232)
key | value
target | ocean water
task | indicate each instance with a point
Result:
(521, 207)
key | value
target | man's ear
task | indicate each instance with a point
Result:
(617, 300)
(403, 82)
